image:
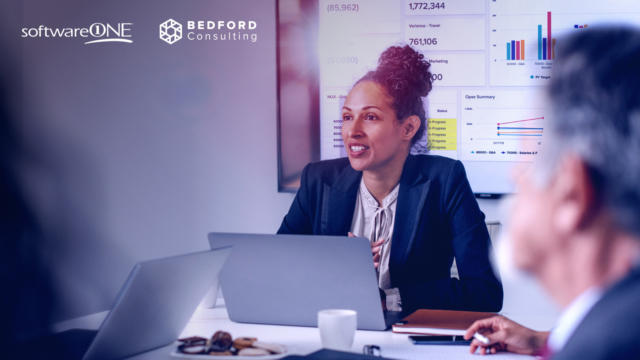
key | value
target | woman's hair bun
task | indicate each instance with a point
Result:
(404, 71)
(404, 74)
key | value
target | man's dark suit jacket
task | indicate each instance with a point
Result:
(611, 329)
(437, 218)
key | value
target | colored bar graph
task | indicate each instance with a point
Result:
(513, 49)
(539, 42)
(549, 38)
(546, 45)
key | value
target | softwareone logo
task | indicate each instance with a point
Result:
(92, 34)
(171, 31)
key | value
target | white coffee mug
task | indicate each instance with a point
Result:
(337, 328)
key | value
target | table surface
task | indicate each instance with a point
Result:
(524, 302)
(304, 340)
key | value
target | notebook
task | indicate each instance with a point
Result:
(439, 322)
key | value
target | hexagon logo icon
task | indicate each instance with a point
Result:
(170, 31)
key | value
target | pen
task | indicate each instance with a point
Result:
(483, 339)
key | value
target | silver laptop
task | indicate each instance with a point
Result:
(155, 303)
(286, 279)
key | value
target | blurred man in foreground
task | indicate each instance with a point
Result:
(576, 218)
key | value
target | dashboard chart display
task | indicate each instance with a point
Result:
(489, 62)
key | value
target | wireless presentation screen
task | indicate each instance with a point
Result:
(489, 62)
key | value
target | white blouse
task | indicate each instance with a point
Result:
(376, 222)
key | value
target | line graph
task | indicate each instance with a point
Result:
(523, 120)
(519, 130)
(505, 125)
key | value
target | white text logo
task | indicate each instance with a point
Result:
(209, 30)
(99, 32)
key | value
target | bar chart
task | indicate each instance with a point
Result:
(523, 34)
(546, 45)
(515, 50)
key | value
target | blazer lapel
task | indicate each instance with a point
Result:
(339, 201)
(411, 198)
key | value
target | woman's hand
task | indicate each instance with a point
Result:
(506, 335)
(376, 248)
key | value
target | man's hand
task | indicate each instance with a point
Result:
(376, 248)
(506, 335)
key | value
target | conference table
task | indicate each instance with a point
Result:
(524, 302)
(304, 340)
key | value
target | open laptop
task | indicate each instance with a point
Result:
(153, 306)
(286, 279)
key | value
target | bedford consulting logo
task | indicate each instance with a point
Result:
(170, 31)
(94, 33)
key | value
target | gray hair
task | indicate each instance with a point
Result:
(594, 95)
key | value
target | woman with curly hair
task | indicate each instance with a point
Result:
(418, 211)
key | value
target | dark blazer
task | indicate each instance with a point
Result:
(437, 218)
(611, 329)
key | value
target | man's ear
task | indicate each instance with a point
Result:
(410, 127)
(574, 195)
